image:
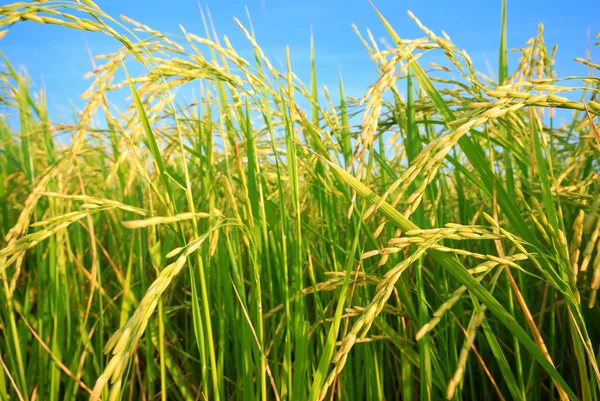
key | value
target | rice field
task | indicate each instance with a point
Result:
(436, 238)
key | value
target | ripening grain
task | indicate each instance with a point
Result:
(436, 238)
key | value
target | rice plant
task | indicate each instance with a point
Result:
(436, 238)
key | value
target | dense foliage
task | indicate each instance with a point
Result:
(436, 238)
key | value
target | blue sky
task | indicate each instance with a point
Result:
(58, 57)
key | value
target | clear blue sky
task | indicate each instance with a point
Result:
(58, 56)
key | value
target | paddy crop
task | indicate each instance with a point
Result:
(435, 238)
